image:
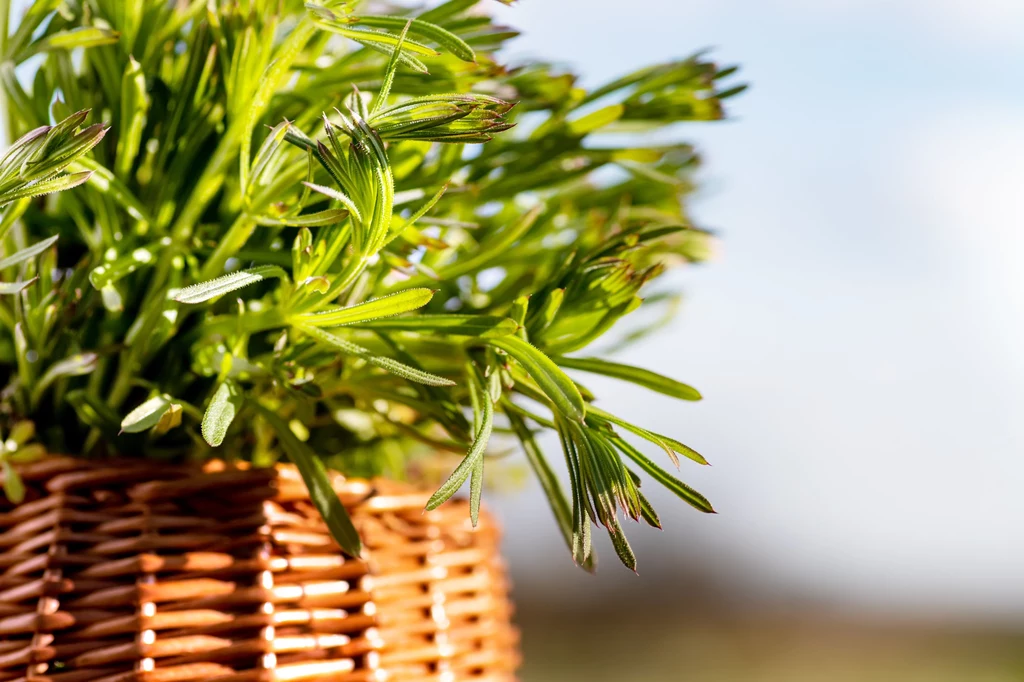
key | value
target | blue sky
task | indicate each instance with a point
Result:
(858, 339)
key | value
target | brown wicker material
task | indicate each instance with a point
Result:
(153, 573)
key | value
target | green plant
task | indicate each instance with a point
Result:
(291, 242)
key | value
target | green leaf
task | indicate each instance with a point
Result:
(321, 492)
(548, 481)
(621, 545)
(328, 217)
(476, 451)
(224, 405)
(393, 366)
(446, 39)
(146, 415)
(337, 196)
(37, 189)
(669, 445)
(476, 484)
(636, 375)
(597, 119)
(372, 38)
(112, 271)
(389, 73)
(134, 108)
(552, 380)
(14, 488)
(77, 37)
(73, 366)
(27, 253)
(683, 491)
(483, 326)
(8, 288)
(204, 291)
(385, 306)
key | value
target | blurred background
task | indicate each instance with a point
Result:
(858, 343)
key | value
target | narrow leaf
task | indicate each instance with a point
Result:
(321, 492)
(385, 306)
(476, 484)
(484, 326)
(636, 375)
(16, 287)
(27, 253)
(446, 39)
(548, 481)
(78, 37)
(476, 450)
(670, 445)
(37, 189)
(389, 364)
(204, 291)
(683, 491)
(328, 217)
(555, 384)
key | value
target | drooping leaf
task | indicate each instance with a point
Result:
(321, 492)
(548, 481)
(636, 375)
(670, 445)
(555, 384)
(683, 491)
(470, 462)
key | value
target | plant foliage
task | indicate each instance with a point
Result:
(310, 231)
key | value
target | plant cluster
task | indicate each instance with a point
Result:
(311, 231)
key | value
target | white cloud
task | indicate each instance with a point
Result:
(966, 172)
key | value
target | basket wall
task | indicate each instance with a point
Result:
(151, 573)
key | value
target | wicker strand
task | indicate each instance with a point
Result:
(139, 572)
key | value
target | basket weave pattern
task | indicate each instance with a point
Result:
(151, 573)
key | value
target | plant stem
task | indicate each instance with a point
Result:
(229, 245)
(5, 20)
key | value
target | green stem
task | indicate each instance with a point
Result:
(229, 245)
(5, 20)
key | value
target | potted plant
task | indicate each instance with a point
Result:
(302, 242)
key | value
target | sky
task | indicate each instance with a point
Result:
(857, 339)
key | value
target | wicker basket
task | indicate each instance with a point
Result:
(153, 573)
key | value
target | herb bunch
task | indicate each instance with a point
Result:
(309, 231)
